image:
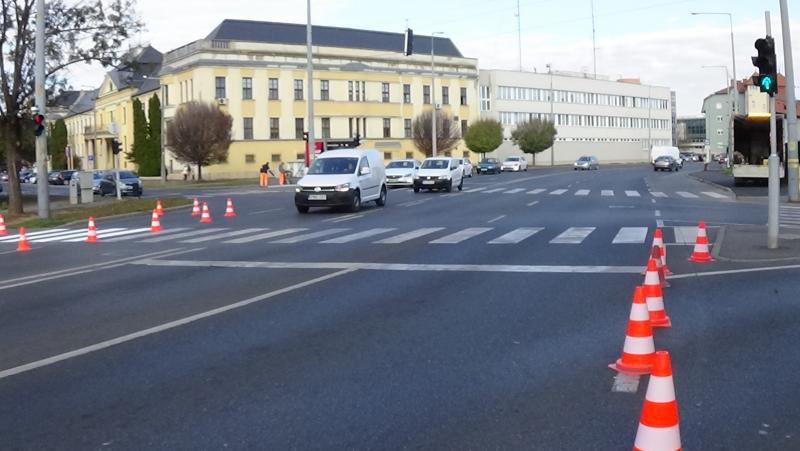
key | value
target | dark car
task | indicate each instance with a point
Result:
(488, 165)
(59, 177)
(664, 163)
(129, 184)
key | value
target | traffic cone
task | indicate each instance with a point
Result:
(3, 231)
(196, 208)
(659, 428)
(206, 217)
(654, 297)
(639, 348)
(229, 213)
(662, 277)
(91, 236)
(658, 240)
(155, 223)
(23, 241)
(159, 210)
(700, 253)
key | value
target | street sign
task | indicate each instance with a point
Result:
(706, 141)
(91, 157)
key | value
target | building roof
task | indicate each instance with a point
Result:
(75, 102)
(295, 34)
(138, 70)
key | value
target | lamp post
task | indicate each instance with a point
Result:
(727, 77)
(734, 92)
(552, 116)
(433, 100)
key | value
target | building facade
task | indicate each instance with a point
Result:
(616, 121)
(363, 85)
(691, 134)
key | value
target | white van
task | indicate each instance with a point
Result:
(342, 178)
(669, 151)
(439, 173)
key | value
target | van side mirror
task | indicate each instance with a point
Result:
(365, 170)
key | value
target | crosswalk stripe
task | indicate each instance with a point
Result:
(176, 236)
(403, 237)
(633, 194)
(475, 190)
(687, 195)
(223, 235)
(558, 192)
(537, 191)
(515, 190)
(265, 236)
(582, 192)
(461, 235)
(310, 236)
(573, 235)
(630, 235)
(714, 195)
(80, 234)
(106, 234)
(607, 192)
(517, 235)
(145, 234)
(685, 234)
(657, 194)
(495, 190)
(358, 236)
(15, 238)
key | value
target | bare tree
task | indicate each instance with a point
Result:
(200, 133)
(447, 133)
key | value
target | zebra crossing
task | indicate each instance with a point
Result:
(602, 193)
(789, 216)
(379, 236)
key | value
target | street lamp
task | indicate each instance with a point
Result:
(433, 99)
(733, 81)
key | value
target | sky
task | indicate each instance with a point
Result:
(657, 41)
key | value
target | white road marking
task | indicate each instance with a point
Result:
(475, 190)
(659, 223)
(517, 235)
(496, 219)
(80, 235)
(633, 194)
(714, 195)
(346, 218)
(657, 194)
(515, 191)
(732, 271)
(573, 235)
(495, 190)
(630, 235)
(264, 236)
(461, 235)
(531, 204)
(413, 203)
(403, 237)
(536, 191)
(146, 234)
(557, 192)
(687, 195)
(685, 235)
(607, 192)
(15, 238)
(265, 211)
(223, 235)
(358, 235)
(658, 213)
(166, 326)
(625, 383)
(158, 239)
(310, 236)
(106, 234)
(582, 192)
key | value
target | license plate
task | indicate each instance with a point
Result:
(317, 197)
(428, 182)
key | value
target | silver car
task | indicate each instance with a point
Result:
(586, 163)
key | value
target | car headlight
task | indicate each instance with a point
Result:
(416, 177)
(444, 177)
(344, 187)
(407, 175)
(297, 189)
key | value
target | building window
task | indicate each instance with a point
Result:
(219, 87)
(720, 132)
(406, 93)
(247, 88)
(299, 128)
(409, 155)
(350, 127)
(326, 127)
(387, 155)
(387, 127)
(324, 93)
(166, 95)
(407, 128)
(463, 127)
(385, 92)
(463, 96)
(445, 95)
(274, 128)
(298, 89)
(426, 94)
(300, 156)
(249, 158)
(248, 128)
(350, 91)
(719, 118)
(273, 89)
(276, 158)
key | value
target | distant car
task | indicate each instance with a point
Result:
(439, 173)
(515, 164)
(488, 165)
(129, 184)
(4, 177)
(467, 165)
(664, 163)
(401, 172)
(59, 177)
(586, 163)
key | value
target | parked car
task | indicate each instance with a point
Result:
(129, 183)
(401, 172)
(59, 177)
(4, 177)
(586, 163)
(515, 164)
(467, 166)
(439, 173)
(488, 165)
(665, 162)
(342, 178)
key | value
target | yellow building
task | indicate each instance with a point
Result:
(363, 85)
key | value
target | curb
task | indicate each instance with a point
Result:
(717, 248)
(714, 184)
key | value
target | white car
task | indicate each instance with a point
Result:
(515, 164)
(439, 173)
(401, 172)
(467, 165)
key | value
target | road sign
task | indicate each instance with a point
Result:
(707, 141)
(91, 157)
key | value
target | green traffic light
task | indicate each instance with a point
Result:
(766, 83)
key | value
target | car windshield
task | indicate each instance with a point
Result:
(488, 161)
(435, 164)
(339, 165)
(584, 159)
(126, 175)
(663, 158)
(512, 159)
(400, 164)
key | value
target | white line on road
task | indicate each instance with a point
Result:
(658, 212)
(633, 194)
(345, 218)
(166, 326)
(630, 235)
(265, 211)
(264, 236)
(310, 236)
(146, 234)
(573, 235)
(515, 191)
(657, 194)
(159, 239)
(659, 223)
(536, 191)
(531, 204)
(582, 192)
(107, 234)
(461, 235)
(408, 236)
(515, 236)
(685, 235)
(732, 271)
(79, 235)
(557, 192)
(475, 190)
(14, 238)
(496, 219)
(223, 235)
(496, 190)
(714, 195)
(358, 235)
(607, 192)
(687, 195)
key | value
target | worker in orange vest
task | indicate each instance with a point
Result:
(264, 176)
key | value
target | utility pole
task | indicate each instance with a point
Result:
(433, 100)
(552, 116)
(594, 44)
(519, 36)
(791, 107)
(310, 75)
(735, 95)
(774, 167)
(42, 189)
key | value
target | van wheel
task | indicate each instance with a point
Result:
(381, 200)
(302, 208)
(449, 188)
(416, 189)
(461, 185)
(356, 204)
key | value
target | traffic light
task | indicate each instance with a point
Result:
(305, 136)
(767, 78)
(408, 43)
(38, 120)
(114, 146)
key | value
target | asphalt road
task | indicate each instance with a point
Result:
(476, 320)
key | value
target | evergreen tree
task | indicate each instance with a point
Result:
(154, 135)
(57, 143)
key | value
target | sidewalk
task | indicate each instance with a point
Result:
(717, 177)
(748, 243)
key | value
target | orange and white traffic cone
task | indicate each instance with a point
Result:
(229, 213)
(658, 240)
(700, 253)
(23, 245)
(206, 217)
(639, 348)
(654, 297)
(155, 223)
(662, 276)
(159, 210)
(659, 427)
(196, 208)
(3, 231)
(91, 235)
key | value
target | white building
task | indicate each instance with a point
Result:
(616, 121)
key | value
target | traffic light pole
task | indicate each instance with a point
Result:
(42, 184)
(310, 75)
(774, 167)
(791, 108)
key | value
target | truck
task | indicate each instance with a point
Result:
(752, 148)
